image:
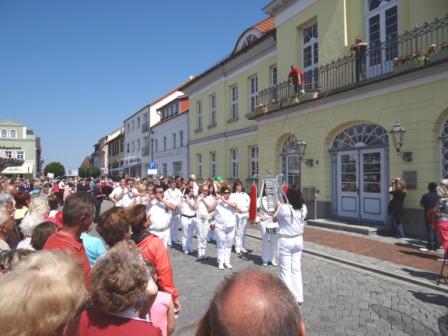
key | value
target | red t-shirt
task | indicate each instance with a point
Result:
(154, 251)
(96, 323)
(62, 241)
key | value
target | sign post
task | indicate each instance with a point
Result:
(152, 168)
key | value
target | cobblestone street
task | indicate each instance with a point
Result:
(339, 299)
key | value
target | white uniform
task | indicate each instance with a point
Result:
(290, 245)
(188, 222)
(268, 229)
(243, 201)
(174, 197)
(160, 221)
(127, 199)
(203, 223)
(225, 222)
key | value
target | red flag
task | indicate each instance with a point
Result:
(253, 203)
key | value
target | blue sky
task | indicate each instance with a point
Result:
(74, 70)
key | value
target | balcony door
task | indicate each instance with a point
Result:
(382, 33)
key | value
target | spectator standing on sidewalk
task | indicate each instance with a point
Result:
(428, 202)
(395, 208)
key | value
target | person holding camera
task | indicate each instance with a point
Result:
(395, 208)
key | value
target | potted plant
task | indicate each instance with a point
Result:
(442, 53)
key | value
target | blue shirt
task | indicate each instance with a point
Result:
(94, 247)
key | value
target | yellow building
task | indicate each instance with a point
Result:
(344, 105)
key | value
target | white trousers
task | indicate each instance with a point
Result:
(240, 234)
(268, 244)
(174, 227)
(188, 228)
(224, 240)
(203, 228)
(290, 255)
(163, 235)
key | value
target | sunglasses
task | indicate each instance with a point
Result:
(226, 192)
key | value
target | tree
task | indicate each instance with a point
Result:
(89, 172)
(56, 168)
(95, 172)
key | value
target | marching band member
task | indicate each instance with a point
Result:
(206, 204)
(188, 220)
(225, 222)
(160, 217)
(268, 229)
(174, 196)
(242, 200)
(291, 221)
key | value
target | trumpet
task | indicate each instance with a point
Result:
(271, 187)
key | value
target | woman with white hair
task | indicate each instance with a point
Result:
(6, 226)
(52, 307)
(38, 211)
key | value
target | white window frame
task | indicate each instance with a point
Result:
(212, 164)
(156, 145)
(234, 102)
(213, 109)
(128, 146)
(165, 169)
(20, 154)
(133, 146)
(4, 133)
(199, 161)
(273, 75)
(138, 122)
(13, 134)
(234, 162)
(313, 43)
(253, 92)
(199, 115)
(138, 144)
(8, 153)
(253, 161)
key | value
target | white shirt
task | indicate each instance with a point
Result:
(173, 196)
(202, 211)
(225, 215)
(160, 218)
(242, 200)
(265, 217)
(186, 208)
(126, 199)
(290, 222)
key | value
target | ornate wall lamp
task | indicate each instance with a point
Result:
(397, 132)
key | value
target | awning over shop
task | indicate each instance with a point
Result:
(25, 168)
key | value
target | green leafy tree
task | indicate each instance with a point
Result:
(82, 172)
(56, 168)
(95, 172)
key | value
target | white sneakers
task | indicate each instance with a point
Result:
(274, 263)
(228, 266)
(221, 266)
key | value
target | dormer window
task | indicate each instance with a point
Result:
(12, 134)
(249, 40)
(4, 133)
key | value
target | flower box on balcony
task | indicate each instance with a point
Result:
(441, 55)
(405, 67)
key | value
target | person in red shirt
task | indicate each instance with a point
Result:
(295, 78)
(114, 226)
(77, 217)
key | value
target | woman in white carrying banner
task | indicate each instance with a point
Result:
(291, 221)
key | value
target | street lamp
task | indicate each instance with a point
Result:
(397, 132)
(301, 148)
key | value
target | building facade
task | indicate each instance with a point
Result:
(115, 153)
(354, 103)
(169, 143)
(19, 142)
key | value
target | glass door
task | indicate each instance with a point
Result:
(348, 184)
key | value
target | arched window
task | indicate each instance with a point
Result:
(4, 133)
(444, 151)
(290, 161)
(363, 135)
(12, 134)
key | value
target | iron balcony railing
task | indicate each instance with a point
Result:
(412, 49)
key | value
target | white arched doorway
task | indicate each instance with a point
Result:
(360, 173)
(290, 161)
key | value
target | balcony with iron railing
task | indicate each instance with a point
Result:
(419, 48)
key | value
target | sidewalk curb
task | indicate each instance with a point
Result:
(371, 269)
